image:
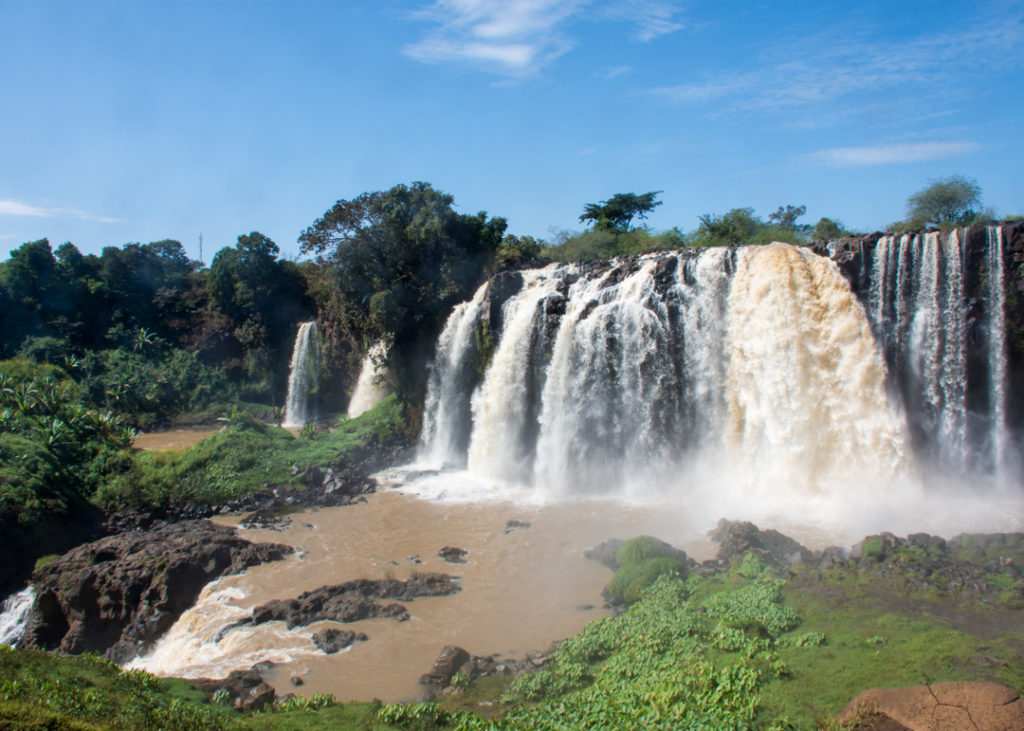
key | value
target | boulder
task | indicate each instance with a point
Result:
(247, 689)
(451, 554)
(335, 640)
(736, 538)
(941, 707)
(117, 595)
(353, 600)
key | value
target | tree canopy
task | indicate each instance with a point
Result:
(403, 256)
(618, 212)
(950, 201)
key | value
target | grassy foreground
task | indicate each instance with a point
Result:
(738, 650)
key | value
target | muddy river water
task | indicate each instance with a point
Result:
(522, 588)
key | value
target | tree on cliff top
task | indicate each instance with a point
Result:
(618, 212)
(949, 201)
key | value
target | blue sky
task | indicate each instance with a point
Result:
(140, 121)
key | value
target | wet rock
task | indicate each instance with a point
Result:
(297, 681)
(513, 525)
(117, 595)
(353, 600)
(737, 538)
(444, 667)
(247, 689)
(265, 520)
(335, 640)
(942, 707)
(451, 554)
(604, 553)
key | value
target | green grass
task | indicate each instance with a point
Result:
(246, 457)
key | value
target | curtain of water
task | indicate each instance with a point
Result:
(302, 375)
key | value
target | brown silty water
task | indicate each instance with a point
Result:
(522, 589)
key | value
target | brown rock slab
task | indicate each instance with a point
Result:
(960, 706)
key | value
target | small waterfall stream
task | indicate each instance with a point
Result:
(14, 614)
(302, 375)
(372, 386)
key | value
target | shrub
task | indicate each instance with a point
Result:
(631, 579)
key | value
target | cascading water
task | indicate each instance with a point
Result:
(446, 421)
(372, 386)
(920, 313)
(302, 376)
(997, 352)
(611, 381)
(14, 614)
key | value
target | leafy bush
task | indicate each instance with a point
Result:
(630, 580)
(643, 547)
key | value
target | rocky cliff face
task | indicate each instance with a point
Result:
(117, 595)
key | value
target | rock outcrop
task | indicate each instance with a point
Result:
(246, 689)
(117, 595)
(354, 600)
(938, 707)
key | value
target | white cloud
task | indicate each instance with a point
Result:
(889, 154)
(517, 38)
(511, 37)
(10, 207)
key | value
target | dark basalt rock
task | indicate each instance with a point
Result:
(512, 525)
(335, 640)
(265, 520)
(247, 689)
(736, 538)
(117, 595)
(353, 600)
(604, 553)
(451, 554)
(454, 660)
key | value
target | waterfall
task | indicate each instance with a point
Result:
(500, 444)
(302, 376)
(446, 412)
(372, 386)
(609, 379)
(920, 311)
(14, 614)
(997, 351)
(806, 390)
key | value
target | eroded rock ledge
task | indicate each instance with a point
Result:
(354, 600)
(117, 595)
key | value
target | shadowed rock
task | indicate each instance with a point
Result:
(117, 595)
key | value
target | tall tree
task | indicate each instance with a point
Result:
(948, 201)
(618, 212)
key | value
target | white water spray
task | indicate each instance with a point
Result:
(14, 614)
(302, 376)
(372, 386)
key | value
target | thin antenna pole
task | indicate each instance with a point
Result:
(201, 249)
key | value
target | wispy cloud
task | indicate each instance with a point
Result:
(888, 154)
(517, 38)
(821, 72)
(613, 72)
(651, 18)
(9, 207)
